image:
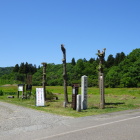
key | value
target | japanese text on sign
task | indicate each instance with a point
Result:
(40, 97)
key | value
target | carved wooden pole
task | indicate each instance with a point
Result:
(64, 75)
(101, 78)
(44, 79)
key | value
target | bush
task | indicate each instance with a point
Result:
(1, 93)
(50, 95)
(10, 93)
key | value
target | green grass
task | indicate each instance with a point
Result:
(117, 99)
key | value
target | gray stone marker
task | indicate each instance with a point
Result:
(78, 108)
(84, 84)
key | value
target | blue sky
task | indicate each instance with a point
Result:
(33, 30)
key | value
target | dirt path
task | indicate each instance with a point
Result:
(16, 119)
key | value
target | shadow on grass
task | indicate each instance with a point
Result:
(94, 107)
(118, 103)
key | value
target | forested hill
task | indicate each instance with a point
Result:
(126, 73)
(120, 71)
(5, 70)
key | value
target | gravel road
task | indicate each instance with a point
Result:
(16, 119)
(20, 123)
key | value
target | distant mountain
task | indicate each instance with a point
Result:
(5, 70)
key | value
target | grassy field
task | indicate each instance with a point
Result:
(117, 99)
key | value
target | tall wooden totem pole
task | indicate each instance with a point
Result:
(44, 79)
(101, 56)
(64, 75)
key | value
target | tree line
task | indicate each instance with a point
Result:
(119, 71)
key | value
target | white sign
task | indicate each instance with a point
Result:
(40, 97)
(20, 88)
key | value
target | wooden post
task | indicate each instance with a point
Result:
(101, 87)
(44, 79)
(18, 94)
(101, 78)
(64, 75)
(23, 95)
(28, 85)
(29, 79)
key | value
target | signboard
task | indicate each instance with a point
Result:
(40, 97)
(29, 87)
(20, 88)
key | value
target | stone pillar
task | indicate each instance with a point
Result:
(84, 84)
(44, 79)
(78, 108)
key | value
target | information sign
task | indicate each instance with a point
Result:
(20, 88)
(40, 97)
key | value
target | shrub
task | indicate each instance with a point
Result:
(1, 93)
(50, 95)
(10, 93)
